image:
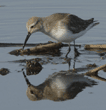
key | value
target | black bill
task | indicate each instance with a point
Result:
(27, 37)
(27, 81)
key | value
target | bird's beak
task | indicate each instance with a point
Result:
(27, 37)
(27, 81)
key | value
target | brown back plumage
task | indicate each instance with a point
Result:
(76, 24)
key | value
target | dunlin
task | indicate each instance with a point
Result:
(62, 27)
(59, 86)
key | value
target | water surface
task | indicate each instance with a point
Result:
(13, 18)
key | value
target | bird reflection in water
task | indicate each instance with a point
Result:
(59, 86)
(68, 60)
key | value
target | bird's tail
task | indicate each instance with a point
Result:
(91, 21)
(95, 23)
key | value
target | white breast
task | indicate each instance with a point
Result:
(62, 34)
(61, 82)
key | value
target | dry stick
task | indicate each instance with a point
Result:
(94, 73)
(37, 49)
(95, 70)
(43, 47)
(99, 78)
(95, 46)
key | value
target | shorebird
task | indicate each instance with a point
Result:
(59, 86)
(62, 27)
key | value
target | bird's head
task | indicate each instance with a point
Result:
(34, 24)
(33, 93)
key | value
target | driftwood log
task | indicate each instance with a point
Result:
(45, 48)
(94, 73)
(50, 47)
(91, 46)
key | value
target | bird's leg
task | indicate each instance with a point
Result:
(74, 47)
(74, 64)
(74, 56)
(69, 62)
(68, 51)
(76, 53)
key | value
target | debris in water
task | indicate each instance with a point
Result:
(4, 71)
(33, 67)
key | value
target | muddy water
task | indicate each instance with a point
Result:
(13, 16)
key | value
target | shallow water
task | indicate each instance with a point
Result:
(13, 17)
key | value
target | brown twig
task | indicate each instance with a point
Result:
(99, 78)
(94, 73)
(38, 49)
(91, 46)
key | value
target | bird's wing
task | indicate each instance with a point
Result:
(76, 24)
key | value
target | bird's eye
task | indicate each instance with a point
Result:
(32, 26)
(31, 92)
